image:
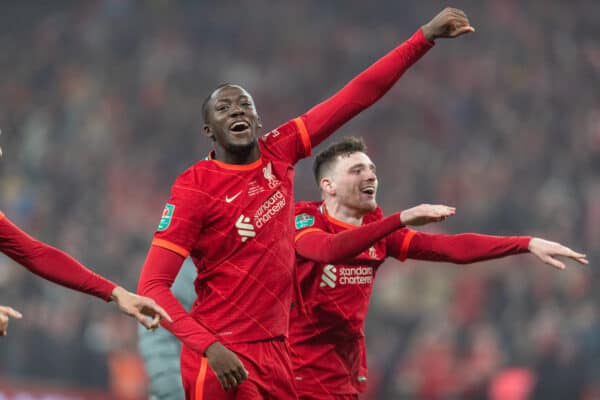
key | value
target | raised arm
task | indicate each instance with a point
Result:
(369, 86)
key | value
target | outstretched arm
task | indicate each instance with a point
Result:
(369, 86)
(472, 247)
(58, 267)
(51, 263)
(329, 248)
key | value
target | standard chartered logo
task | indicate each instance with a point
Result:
(329, 277)
(359, 275)
(245, 228)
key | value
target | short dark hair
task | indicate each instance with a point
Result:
(345, 147)
(207, 99)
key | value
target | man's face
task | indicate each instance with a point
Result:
(232, 121)
(354, 182)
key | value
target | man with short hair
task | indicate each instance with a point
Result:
(340, 243)
(232, 213)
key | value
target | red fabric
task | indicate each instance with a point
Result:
(329, 248)
(364, 90)
(51, 263)
(267, 362)
(159, 272)
(463, 248)
(327, 336)
(235, 223)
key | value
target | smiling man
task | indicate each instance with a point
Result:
(341, 241)
(232, 213)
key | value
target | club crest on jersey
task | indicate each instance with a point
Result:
(304, 221)
(167, 216)
(268, 172)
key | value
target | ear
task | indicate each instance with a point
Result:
(259, 121)
(208, 132)
(327, 186)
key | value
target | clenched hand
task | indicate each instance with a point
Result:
(449, 23)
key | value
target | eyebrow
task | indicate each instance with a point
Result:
(227, 99)
(371, 165)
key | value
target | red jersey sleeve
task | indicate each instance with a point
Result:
(463, 248)
(289, 142)
(51, 263)
(181, 220)
(364, 90)
(158, 274)
(332, 248)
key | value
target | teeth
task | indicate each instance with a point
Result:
(241, 125)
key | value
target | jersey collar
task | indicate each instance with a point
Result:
(235, 167)
(323, 210)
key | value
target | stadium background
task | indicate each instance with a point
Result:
(100, 110)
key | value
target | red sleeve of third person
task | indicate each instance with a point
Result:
(51, 263)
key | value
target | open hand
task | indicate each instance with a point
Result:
(449, 23)
(426, 213)
(143, 309)
(547, 251)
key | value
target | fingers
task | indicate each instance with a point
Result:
(232, 379)
(440, 212)
(161, 311)
(151, 309)
(3, 324)
(554, 262)
(11, 312)
(463, 30)
(142, 319)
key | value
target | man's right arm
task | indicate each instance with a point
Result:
(158, 274)
(316, 244)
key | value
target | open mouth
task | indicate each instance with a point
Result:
(370, 190)
(239, 127)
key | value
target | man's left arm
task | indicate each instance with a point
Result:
(369, 86)
(468, 248)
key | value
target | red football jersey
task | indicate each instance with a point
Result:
(230, 219)
(327, 333)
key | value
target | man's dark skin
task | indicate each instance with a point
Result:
(232, 122)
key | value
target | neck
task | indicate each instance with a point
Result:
(245, 155)
(343, 213)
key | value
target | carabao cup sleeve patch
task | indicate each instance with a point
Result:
(166, 218)
(304, 221)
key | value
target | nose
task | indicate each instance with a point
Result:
(371, 176)
(236, 111)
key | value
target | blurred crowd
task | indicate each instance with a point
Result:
(100, 110)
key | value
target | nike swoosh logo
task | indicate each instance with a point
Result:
(230, 199)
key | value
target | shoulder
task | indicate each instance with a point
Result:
(312, 207)
(194, 174)
(307, 214)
